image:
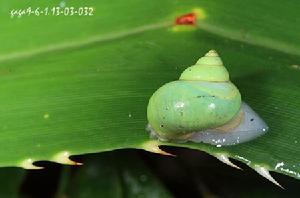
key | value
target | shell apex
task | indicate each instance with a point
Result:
(208, 68)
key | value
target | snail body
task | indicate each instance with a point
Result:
(202, 106)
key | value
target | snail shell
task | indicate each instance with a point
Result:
(203, 106)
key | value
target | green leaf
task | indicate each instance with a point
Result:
(73, 85)
(116, 174)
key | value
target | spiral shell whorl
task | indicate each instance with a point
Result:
(208, 68)
(203, 106)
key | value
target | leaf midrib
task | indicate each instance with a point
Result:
(223, 32)
(255, 40)
(90, 40)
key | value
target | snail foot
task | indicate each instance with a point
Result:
(250, 127)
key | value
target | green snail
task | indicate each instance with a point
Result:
(203, 106)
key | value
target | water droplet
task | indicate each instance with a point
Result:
(295, 67)
(179, 105)
(248, 162)
(212, 106)
(62, 4)
(280, 164)
(46, 116)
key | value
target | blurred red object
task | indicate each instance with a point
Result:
(187, 19)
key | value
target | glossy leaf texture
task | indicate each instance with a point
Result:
(72, 85)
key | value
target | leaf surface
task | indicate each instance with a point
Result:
(73, 85)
